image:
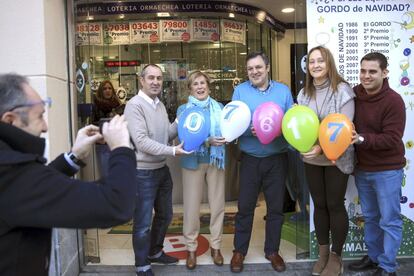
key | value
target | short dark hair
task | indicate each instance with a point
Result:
(258, 54)
(144, 70)
(11, 91)
(375, 56)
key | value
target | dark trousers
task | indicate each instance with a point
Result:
(256, 174)
(154, 191)
(327, 185)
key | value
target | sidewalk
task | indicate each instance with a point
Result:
(293, 269)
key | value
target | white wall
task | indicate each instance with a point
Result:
(34, 44)
(283, 52)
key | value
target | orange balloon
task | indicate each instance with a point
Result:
(335, 135)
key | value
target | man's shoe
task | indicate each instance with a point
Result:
(163, 259)
(236, 263)
(364, 264)
(277, 262)
(380, 272)
(145, 273)
(191, 261)
(217, 257)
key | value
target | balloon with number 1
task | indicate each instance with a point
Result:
(300, 127)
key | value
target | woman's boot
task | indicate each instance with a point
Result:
(334, 266)
(322, 261)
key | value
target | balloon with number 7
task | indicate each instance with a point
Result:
(235, 119)
(300, 127)
(335, 135)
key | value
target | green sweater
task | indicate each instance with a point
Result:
(150, 131)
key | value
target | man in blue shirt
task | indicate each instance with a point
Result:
(263, 167)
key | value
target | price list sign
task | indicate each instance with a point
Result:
(351, 29)
(175, 30)
(88, 34)
(116, 33)
(144, 32)
(205, 30)
(233, 31)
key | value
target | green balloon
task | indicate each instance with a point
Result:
(300, 127)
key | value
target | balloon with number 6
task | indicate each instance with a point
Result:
(335, 135)
(193, 127)
(267, 122)
(235, 119)
(300, 127)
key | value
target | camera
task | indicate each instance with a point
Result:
(101, 122)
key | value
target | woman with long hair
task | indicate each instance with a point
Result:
(327, 92)
(106, 106)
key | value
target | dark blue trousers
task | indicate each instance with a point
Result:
(257, 174)
(154, 192)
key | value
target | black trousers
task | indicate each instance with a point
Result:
(327, 186)
(256, 174)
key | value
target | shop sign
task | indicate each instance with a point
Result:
(118, 7)
(233, 31)
(352, 29)
(88, 34)
(116, 33)
(175, 30)
(122, 63)
(144, 31)
(205, 30)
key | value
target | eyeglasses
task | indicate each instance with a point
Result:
(47, 102)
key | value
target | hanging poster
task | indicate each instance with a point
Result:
(233, 31)
(175, 30)
(351, 29)
(116, 33)
(144, 32)
(205, 30)
(88, 34)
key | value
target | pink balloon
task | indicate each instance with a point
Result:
(267, 122)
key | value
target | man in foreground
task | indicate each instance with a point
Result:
(35, 197)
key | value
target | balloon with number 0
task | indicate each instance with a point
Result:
(235, 119)
(193, 127)
(300, 127)
(267, 122)
(335, 135)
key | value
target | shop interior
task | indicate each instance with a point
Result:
(224, 62)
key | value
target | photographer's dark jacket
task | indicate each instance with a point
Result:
(35, 197)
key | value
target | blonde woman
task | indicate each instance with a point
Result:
(204, 165)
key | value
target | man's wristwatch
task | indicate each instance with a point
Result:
(360, 139)
(76, 160)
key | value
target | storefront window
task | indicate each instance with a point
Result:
(115, 47)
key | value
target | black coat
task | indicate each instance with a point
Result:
(35, 197)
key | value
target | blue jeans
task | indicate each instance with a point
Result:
(154, 191)
(379, 194)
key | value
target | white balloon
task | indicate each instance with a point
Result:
(235, 119)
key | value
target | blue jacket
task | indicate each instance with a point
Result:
(250, 95)
(191, 161)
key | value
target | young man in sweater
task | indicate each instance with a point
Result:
(151, 132)
(262, 168)
(379, 127)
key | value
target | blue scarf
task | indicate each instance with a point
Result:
(217, 153)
